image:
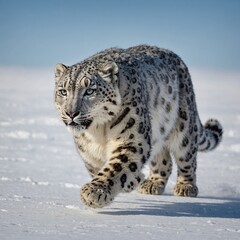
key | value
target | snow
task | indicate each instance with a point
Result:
(41, 173)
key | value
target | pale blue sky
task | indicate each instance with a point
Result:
(206, 33)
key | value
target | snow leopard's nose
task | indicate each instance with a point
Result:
(72, 115)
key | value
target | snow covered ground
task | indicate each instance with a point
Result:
(41, 174)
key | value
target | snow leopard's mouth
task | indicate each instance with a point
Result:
(84, 124)
(73, 124)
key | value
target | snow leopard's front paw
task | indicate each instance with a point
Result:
(96, 194)
(151, 187)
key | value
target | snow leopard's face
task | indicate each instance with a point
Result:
(86, 96)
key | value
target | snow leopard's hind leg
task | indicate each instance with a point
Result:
(186, 180)
(160, 170)
(185, 155)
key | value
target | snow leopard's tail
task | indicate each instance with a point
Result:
(210, 135)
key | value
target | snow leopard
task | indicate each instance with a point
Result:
(130, 107)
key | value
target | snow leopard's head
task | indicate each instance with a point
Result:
(87, 95)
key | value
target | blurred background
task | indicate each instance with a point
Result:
(206, 33)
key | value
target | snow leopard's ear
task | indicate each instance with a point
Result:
(108, 71)
(59, 71)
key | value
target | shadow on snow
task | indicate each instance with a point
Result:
(225, 209)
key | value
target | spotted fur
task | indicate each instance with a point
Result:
(126, 107)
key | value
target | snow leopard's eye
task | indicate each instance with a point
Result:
(63, 92)
(89, 91)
